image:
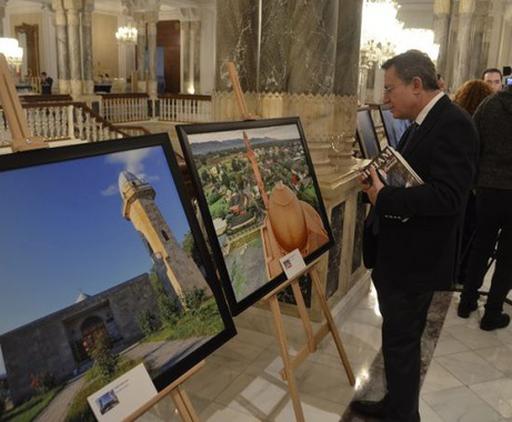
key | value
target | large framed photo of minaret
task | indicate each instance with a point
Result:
(259, 198)
(102, 267)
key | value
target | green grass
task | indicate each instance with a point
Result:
(31, 408)
(79, 410)
(205, 321)
(238, 278)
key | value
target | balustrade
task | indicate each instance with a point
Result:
(63, 121)
(185, 108)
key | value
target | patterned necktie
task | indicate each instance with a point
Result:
(406, 139)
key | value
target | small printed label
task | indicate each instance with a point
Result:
(293, 263)
(123, 396)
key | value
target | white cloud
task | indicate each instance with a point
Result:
(113, 189)
(132, 160)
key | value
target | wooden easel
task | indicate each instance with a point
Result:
(21, 141)
(178, 396)
(16, 121)
(290, 362)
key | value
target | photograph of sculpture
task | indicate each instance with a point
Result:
(102, 268)
(260, 200)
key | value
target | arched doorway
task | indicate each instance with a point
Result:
(92, 328)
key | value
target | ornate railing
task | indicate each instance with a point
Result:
(64, 120)
(121, 108)
(124, 108)
(185, 108)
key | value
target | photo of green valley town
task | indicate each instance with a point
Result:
(99, 272)
(262, 199)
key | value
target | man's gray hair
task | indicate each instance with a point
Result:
(412, 64)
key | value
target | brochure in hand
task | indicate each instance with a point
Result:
(392, 169)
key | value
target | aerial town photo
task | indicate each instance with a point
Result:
(261, 198)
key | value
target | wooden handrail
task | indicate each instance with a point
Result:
(127, 95)
(45, 98)
(186, 97)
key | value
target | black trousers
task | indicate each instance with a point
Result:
(494, 213)
(404, 315)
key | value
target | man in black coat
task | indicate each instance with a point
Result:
(412, 234)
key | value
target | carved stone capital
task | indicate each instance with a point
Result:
(442, 7)
(467, 6)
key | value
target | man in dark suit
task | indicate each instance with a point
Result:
(412, 234)
(46, 84)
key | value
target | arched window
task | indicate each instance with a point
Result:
(165, 235)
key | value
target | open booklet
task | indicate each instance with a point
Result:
(393, 169)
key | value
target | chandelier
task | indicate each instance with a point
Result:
(13, 53)
(127, 34)
(383, 35)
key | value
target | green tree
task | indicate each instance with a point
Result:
(147, 322)
(105, 362)
(169, 309)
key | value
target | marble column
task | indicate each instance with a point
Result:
(236, 41)
(346, 78)
(151, 19)
(48, 43)
(62, 47)
(441, 32)
(301, 44)
(73, 28)
(2, 16)
(461, 66)
(190, 32)
(207, 51)
(141, 52)
(88, 78)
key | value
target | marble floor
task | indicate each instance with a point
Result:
(468, 372)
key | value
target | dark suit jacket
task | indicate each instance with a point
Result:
(421, 253)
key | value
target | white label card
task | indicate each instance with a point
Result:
(293, 263)
(123, 396)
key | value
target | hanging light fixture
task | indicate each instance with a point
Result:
(378, 44)
(10, 48)
(126, 35)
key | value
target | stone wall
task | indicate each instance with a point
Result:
(44, 346)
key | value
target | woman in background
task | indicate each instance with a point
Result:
(471, 94)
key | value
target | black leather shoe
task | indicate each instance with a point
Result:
(465, 308)
(376, 409)
(492, 323)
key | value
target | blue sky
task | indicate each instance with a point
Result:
(62, 231)
(281, 132)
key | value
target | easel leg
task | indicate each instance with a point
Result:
(183, 405)
(332, 326)
(301, 307)
(283, 346)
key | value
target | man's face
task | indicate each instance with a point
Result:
(493, 79)
(399, 96)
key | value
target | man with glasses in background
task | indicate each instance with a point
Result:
(412, 235)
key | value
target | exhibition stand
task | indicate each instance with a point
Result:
(292, 362)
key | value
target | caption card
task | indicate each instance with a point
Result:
(123, 396)
(292, 263)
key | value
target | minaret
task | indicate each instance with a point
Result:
(251, 155)
(140, 208)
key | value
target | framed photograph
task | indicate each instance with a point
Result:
(366, 134)
(259, 198)
(102, 267)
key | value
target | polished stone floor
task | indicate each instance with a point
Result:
(468, 372)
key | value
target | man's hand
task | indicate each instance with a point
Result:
(373, 189)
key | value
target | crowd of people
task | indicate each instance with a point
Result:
(425, 238)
